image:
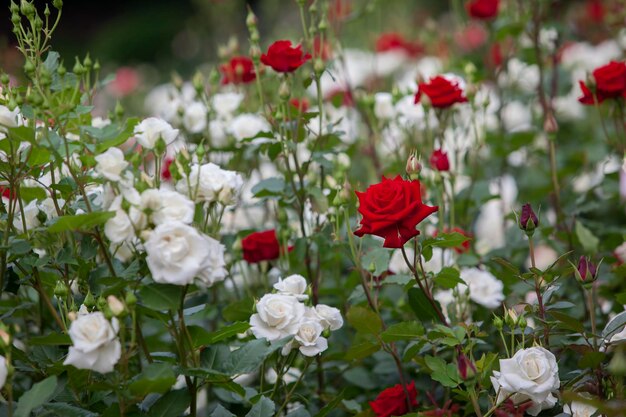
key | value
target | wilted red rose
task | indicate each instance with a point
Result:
(396, 42)
(610, 82)
(393, 401)
(441, 91)
(483, 9)
(439, 160)
(261, 246)
(283, 57)
(392, 209)
(239, 70)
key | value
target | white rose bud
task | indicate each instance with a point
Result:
(115, 305)
(111, 163)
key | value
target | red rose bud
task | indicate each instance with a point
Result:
(483, 9)
(442, 92)
(466, 367)
(261, 246)
(393, 401)
(283, 57)
(439, 160)
(239, 70)
(587, 270)
(392, 209)
(528, 220)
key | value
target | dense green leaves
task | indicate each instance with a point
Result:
(156, 377)
(79, 222)
(364, 320)
(39, 394)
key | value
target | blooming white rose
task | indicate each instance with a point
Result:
(383, 106)
(277, 316)
(4, 371)
(177, 253)
(195, 117)
(292, 285)
(150, 130)
(9, 118)
(100, 122)
(95, 345)
(119, 228)
(248, 125)
(309, 338)
(166, 206)
(217, 132)
(330, 317)
(225, 104)
(31, 212)
(484, 288)
(578, 409)
(210, 183)
(213, 269)
(111, 163)
(531, 374)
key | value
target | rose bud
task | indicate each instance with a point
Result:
(586, 272)
(465, 366)
(413, 165)
(116, 306)
(528, 221)
(439, 161)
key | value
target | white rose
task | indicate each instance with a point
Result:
(225, 104)
(49, 208)
(195, 117)
(150, 130)
(4, 371)
(247, 126)
(119, 228)
(166, 206)
(330, 317)
(123, 251)
(531, 374)
(485, 289)
(99, 122)
(210, 183)
(111, 163)
(578, 409)
(213, 269)
(383, 106)
(95, 345)
(292, 285)
(31, 211)
(9, 118)
(277, 316)
(291, 376)
(310, 339)
(217, 132)
(177, 253)
(620, 252)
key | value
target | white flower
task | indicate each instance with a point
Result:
(31, 219)
(150, 130)
(291, 376)
(516, 117)
(383, 106)
(195, 117)
(99, 122)
(310, 339)
(177, 253)
(484, 288)
(119, 228)
(95, 345)
(330, 317)
(277, 316)
(531, 374)
(217, 132)
(225, 104)
(544, 257)
(9, 118)
(578, 409)
(214, 265)
(292, 285)
(210, 183)
(123, 251)
(4, 371)
(248, 125)
(620, 252)
(166, 206)
(111, 163)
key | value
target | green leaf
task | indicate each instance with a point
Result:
(614, 325)
(421, 306)
(172, 404)
(227, 332)
(160, 296)
(79, 221)
(39, 394)
(446, 240)
(51, 340)
(568, 322)
(239, 310)
(331, 405)
(247, 358)
(362, 350)
(67, 410)
(38, 156)
(449, 278)
(263, 408)
(156, 377)
(591, 360)
(376, 261)
(220, 411)
(446, 374)
(586, 238)
(120, 138)
(274, 186)
(407, 330)
(364, 320)
(22, 134)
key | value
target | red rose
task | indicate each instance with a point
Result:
(392, 401)
(396, 42)
(611, 79)
(261, 246)
(441, 91)
(299, 104)
(483, 9)
(166, 174)
(391, 209)
(439, 160)
(282, 57)
(595, 11)
(239, 70)
(321, 49)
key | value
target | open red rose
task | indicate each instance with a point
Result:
(439, 160)
(261, 246)
(441, 91)
(483, 9)
(239, 70)
(283, 57)
(392, 209)
(610, 82)
(395, 42)
(392, 401)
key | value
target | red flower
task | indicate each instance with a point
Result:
(321, 49)
(472, 37)
(300, 104)
(595, 11)
(239, 70)
(394, 41)
(483, 9)
(391, 209)
(282, 57)
(439, 160)
(392, 401)
(166, 174)
(588, 96)
(610, 82)
(441, 91)
(261, 246)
